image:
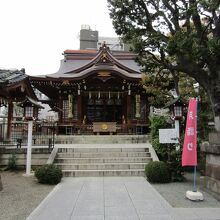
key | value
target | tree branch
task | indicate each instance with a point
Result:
(196, 17)
(217, 28)
(174, 12)
(169, 24)
(147, 13)
(153, 56)
(192, 70)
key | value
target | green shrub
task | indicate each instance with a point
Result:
(157, 172)
(49, 174)
(12, 162)
(175, 165)
(156, 123)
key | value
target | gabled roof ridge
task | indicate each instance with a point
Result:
(80, 51)
(105, 52)
(102, 49)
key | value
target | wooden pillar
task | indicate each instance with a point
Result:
(10, 117)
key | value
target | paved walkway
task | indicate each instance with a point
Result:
(112, 198)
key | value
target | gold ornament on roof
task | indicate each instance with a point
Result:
(103, 74)
(65, 83)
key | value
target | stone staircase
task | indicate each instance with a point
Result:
(126, 160)
(103, 155)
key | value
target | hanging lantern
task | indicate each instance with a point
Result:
(176, 108)
(79, 89)
(129, 89)
(177, 111)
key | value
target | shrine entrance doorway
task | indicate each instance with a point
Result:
(103, 108)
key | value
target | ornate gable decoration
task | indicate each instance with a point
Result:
(104, 58)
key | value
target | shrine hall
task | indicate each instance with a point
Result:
(96, 92)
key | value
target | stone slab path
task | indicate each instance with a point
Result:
(112, 198)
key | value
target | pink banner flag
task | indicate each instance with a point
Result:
(189, 154)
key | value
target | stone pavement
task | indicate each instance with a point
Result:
(112, 198)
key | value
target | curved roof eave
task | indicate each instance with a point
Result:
(93, 69)
(76, 68)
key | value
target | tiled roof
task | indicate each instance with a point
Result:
(29, 100)
(89, 54)
(8, 77)
(76, 61)
(81, 51)
(15, 84)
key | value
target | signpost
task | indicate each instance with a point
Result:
(168, 136)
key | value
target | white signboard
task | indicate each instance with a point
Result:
(168, 136)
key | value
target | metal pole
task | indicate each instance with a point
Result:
(194, 175)
(194, 180)
(29, 146)
(177, 128)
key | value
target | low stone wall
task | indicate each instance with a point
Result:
(39, 156)
(212, 174)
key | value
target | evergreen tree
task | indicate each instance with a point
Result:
(174, 36)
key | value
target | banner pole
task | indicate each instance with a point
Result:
(194, 175)
(194, 180)
(191, 147)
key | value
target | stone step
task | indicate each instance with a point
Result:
(104, 160)
(103, 154)
(94, 139)
(99, 173)
(99, 150)
(109, 166)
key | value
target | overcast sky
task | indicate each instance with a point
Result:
(34, 33)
